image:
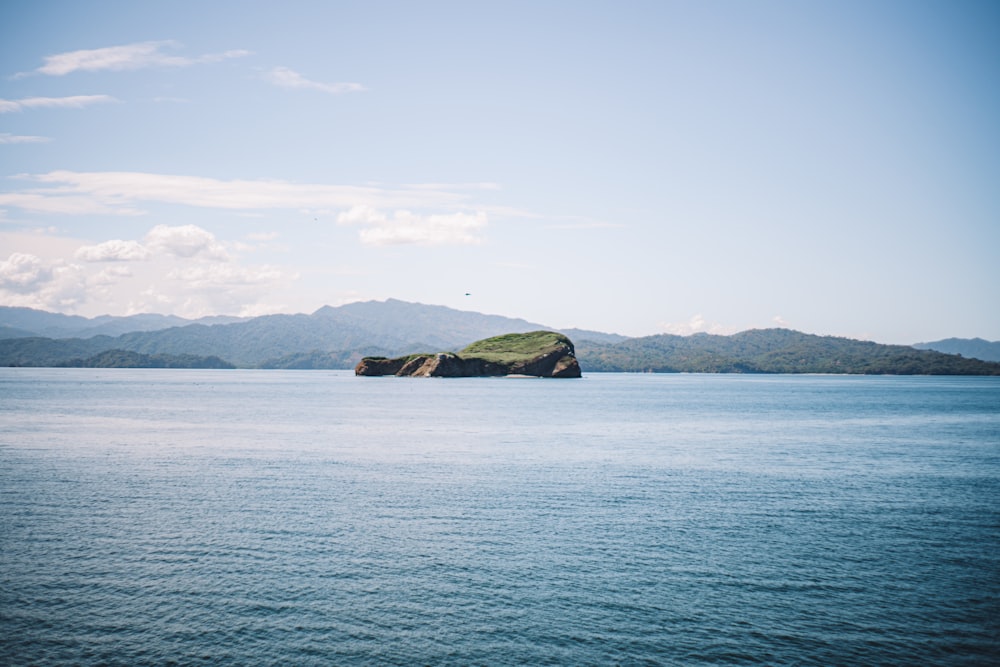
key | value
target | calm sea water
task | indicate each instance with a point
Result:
(314, 518)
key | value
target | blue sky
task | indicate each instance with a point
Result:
(832, 167)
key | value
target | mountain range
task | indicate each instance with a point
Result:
(337, 337)
(330, 337)
(21, 322)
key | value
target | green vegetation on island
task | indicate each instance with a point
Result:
(537, 353)
(517, 347)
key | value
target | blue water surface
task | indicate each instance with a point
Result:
(316, 518)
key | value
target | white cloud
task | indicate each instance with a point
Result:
(697, 324)
(184, 270)
(6, 138)
(23, 273)
(28, 281)
(780, 321)
(406, 227)
(72, 102)
(186, 241)
(361, 215)
(118, 192)
(113, 251)
(288, 78)
(127, 57)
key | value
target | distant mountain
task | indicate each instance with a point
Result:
(974, 348)
(350, 332)
(593, 336)
(772, 351)
(13, 332)
(340, 337)
(27, 322)
(40, 351)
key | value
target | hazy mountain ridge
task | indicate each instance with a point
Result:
(328, 336)
(56, 325)
(339, 337)
(975, 348)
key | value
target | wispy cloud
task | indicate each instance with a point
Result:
(72, 102)
(405, 227)
(121, 192)
(127, 57)
(65, 203)
(288, 78)
(6, 138)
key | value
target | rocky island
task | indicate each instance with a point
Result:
(538, 353)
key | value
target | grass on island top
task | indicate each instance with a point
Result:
(515, 347)
(507, 348)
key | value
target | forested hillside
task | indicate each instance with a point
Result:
(772, 351)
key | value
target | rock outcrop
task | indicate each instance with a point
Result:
(539, 353)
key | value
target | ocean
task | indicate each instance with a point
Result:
(315, 518)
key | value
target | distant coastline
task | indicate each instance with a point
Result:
(338, 338)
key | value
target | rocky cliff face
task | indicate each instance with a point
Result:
(540, 354)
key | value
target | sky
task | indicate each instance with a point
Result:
(628, 167)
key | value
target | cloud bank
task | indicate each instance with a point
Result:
(182, 269)
(23, 273)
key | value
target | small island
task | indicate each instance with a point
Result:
(535, 354)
